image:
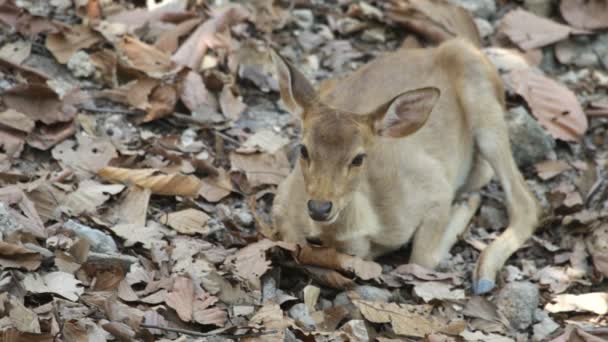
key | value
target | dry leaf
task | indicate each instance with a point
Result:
(181, 298)
(232, 106)
(143, 57)
(168, 41)
(22, 318)
(88, 197)
(69, 40)
(213, 33)
(195, 95)
(188, 221)
(597, 244)
(133, 233)
(86, 156)
(263, 141)
(330, 258)
(39, 103)
(596, 302)
(407, 319)
(133, 208)
(61, 283)
(105, 62)
(16, 52)
(23, 22)
(555, 106)
(480, 336)
(15, 256)
(11, 143)
(250, 263)
(434, 19)
(214, 189)
(551, 168)
(46, 136)
(432, 290)
(330, 278)
(574, 333)
(529, 31)
(271, 317)
(13, 119)
(205, 314)
(134, 93)
(158, 182)
(409, 273)
(162, 102)
(261, 168)
(27, 216)
(585, 14)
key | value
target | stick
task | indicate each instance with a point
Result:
(201, 334)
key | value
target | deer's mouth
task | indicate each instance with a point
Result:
(329, 220)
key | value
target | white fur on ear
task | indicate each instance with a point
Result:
(406, 113)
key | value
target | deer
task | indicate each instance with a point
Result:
(399, 150)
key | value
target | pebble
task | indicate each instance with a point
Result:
(99, 242)
(518, 302)
(80, 65)
(529, 141)
(300, 313)
(479, 8)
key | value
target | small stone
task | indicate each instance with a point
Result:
(484, 27)
(479, 8)
(372, 293)
(349, 25)
(8, 224)
(99, 242)
(517, 301)
(304, 18)
(325, 304)
(374, 35)
(529, 141)
(46, 254)
(300, 313)
(309, 40)
(544, 328)
(80, 65)
(244, 218)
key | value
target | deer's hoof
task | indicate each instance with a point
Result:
(483, 286)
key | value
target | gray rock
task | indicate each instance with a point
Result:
(304, 18)
(244, 217)
(517, 301)
(80, 65)
(542, 8)
(372, 293)
(348, 25)
(479, 8)
(374, 35)
(544, 328)
(100, 242)
(300, 313)
(600, 47)
(46, 254)
(529, 141)
(8, 224)
(484, 27)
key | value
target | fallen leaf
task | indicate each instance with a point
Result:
(46, 136)
(551, 168)
(26, 216)
(555, 277)
(133, 208)
(480, 336)
(105, 62)
(22, 318)
(143, 57)
(15, 256)
(69, 40)
(330, 278)
(330, 258)
(85, 156)
(407, 319)
(597, 243)
(61, 283)
(39, 103)
(13, 119)
(271, 317)
(188, 221)
(263, 141)
(23, 22)
(409, 273)
(596, 302)
(205, 314)
(585, 14)
(16, 52)
(213, 33)
(181, 298)
(214, 189)
(529, 31)
(133, 233)
(434, 19)
(195, 96)
(162, 103)
(574, 333)
(555, 107)
(261, 168)
(231, 105)
(158, 182)
(250, 263)
(168, 41)
(88, 197)
(432, 290)
(11, 143)
(134, 93)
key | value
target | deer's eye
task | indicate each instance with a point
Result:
(304, 152)
(358, 160)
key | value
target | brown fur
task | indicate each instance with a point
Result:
(407, 187)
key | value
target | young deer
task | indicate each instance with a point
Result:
(388, 151)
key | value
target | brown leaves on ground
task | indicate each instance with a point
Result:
(585, 14)
(65, 43)
(158, 182)
(39, 103)
(330, 258)
(408, 320)
(555, 106)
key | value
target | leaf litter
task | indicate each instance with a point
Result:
(141, 146)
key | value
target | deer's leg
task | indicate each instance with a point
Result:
(491, 137)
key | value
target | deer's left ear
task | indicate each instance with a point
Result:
(297, 92)
(404, 114)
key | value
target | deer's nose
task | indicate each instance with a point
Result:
(319, 210)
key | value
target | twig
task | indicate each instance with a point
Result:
(200, 334)
(109, 110)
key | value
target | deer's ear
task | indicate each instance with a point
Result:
(297, 92)
(404, 114)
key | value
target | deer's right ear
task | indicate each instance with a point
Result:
(296, 91)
